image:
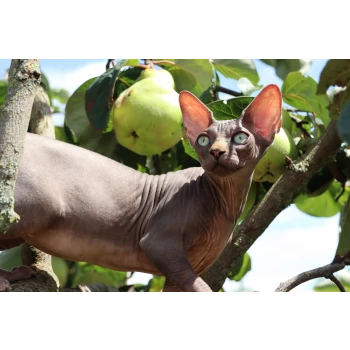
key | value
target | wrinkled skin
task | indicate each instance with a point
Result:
(78, 205)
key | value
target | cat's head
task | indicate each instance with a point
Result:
(223, 147)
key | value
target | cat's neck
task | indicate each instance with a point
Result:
(233, 191)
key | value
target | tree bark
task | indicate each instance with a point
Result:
(278, 198)
(24, 77)
(324, 271)
(40, 123)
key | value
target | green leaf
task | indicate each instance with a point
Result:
(343, 249)
(287, 122)
(65, 134)
(237, 69)
(344, 124)
(61, 95)
(195, 76)
(207, 96)
(338, 97)
(129, 158)
(100, 96)
(156, 284)
(247, 87)
(92, 274)
(76, 117)
(99, 99)
(323, 205)
(104, 144)
(335, 73)
(229, 109)
(126, 78)
(45, 83)
(284, 67)
(60, 134)
(189, 149)
(300, 92)
(240, 271)
(3, 91)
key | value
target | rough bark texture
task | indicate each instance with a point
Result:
(43, 282)
(324, 271)
(24, 77)
(41, 123)
(278, 198)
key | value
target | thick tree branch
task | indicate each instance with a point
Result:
(24, 77)
(41, 123)
(324, 271)
(278, 198)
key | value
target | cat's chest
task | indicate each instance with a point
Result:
(208, 243)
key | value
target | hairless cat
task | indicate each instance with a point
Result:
(79, 205)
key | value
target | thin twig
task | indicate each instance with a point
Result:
(295, 110)
(227, 91)
(336, 282)
(324, 271)
(109, 63)
(299, 122)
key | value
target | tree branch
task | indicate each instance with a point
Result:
(337, 283)
(278, 198)
(24, 77)
(41, 123)
(324, 271)
(227, 91)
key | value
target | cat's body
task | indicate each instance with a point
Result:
(81, 206)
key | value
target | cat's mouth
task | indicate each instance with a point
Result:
(223, 170)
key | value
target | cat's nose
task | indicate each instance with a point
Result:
(216, 153)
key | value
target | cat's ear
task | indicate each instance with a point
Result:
(263, 115)
(196, 115)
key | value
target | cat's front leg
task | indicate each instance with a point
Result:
(17, 274)
(169, 287)
(168, 254)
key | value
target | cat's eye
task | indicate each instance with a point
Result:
(240, 138)
(203, 140)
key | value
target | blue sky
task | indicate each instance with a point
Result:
(294, 242)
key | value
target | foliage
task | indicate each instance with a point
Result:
(308, 108)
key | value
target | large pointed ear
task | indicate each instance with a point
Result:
(196, 115)
(263, 115)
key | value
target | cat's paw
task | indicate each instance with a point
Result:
(4, 285)
(22, 273)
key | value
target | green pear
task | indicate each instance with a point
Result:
(272, 165)
(147, 116)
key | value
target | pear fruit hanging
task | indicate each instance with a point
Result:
(272, 165)
(146, 116)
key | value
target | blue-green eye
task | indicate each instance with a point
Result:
(203, 140)
(240, 138)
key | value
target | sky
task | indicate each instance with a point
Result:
(295, 242)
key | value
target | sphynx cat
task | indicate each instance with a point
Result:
(79, 205)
